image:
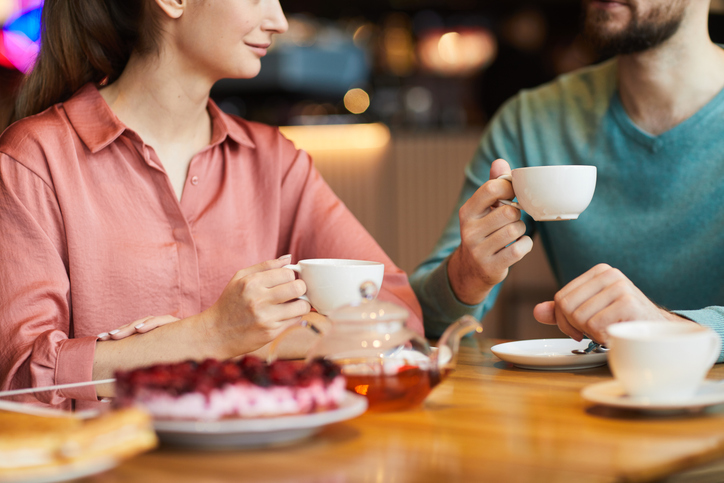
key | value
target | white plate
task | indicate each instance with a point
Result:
(63, 473)
(549, 354)
(256, 432)
(611, 393)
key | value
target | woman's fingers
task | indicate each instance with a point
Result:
(293, 309)
(264, 266)
(285, 292)
(154, 323)
(122, 331)
(141, 326)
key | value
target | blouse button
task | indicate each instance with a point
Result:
(195, 180)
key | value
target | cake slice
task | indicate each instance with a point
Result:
(243, 388)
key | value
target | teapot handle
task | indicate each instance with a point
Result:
(302, 324)
(449, 342)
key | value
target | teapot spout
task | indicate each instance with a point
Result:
(449, 343)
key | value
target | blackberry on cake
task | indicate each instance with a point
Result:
(247, 387)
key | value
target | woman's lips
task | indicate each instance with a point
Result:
(258, 49)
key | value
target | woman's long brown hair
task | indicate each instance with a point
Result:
(84, 41)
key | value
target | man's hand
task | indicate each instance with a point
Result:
(492, 239)
(600, 297)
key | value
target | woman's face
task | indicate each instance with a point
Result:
(227, 38)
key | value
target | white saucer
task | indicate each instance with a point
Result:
(549, 354)
(611, 393)
(246, 433)
(62, 473)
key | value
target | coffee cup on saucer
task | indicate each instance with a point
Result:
(332, 282)
(661, 362)
(549, 193)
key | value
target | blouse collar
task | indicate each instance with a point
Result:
(97, 125)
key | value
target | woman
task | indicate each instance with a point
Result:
(126, 193)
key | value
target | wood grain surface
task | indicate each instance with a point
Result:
(488, 422)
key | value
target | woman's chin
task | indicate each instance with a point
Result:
(248, 71)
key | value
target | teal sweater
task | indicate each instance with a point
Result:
(657, 213)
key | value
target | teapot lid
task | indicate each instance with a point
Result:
(369, 309)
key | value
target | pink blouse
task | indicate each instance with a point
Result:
(93, 236)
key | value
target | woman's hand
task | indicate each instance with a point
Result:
(255, 307)
(492, 239)
(140, 326)
(298, 344)
(600, 297)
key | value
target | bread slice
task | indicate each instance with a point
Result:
(32, 441)
(120, 434)
(41, 446)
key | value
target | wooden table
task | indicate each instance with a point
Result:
(489, 421)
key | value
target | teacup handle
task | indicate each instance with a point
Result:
(298, 269)
(302, 324)
(508, 177)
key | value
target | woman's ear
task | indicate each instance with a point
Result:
(172, 8)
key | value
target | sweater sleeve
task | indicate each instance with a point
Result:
(440, 306)
(430, 280)
(35, 315)
(321, 226)
(711, 317)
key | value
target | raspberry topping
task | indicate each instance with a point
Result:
(189, 376)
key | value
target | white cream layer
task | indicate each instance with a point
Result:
(244, 400)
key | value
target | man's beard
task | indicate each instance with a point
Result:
(641, 33)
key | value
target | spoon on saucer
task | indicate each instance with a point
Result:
(593, 346)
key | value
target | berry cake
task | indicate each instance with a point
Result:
(243, 388)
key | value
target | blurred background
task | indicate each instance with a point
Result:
(390, 98)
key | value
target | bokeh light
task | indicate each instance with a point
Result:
(20, 34)
(458, 52)
(356, 101)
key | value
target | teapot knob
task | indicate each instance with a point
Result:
(368, 290)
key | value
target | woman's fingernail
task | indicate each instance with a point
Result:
(288, 255)
(114, 332)
(102, 335)
(140, 325)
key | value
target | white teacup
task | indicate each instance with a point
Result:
(549, 193)
(662, 361)
(332, 283)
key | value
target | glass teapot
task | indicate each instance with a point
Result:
(380, 357)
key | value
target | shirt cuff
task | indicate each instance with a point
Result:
(75, 364)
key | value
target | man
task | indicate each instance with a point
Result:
(652, 120)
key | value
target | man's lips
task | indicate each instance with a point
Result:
(607, 3)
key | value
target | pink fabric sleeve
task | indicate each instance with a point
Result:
(35, 291)
(322, 227)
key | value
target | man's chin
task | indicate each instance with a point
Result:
(621, 30)
(599, 31)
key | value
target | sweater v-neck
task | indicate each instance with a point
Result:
(681, 131)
